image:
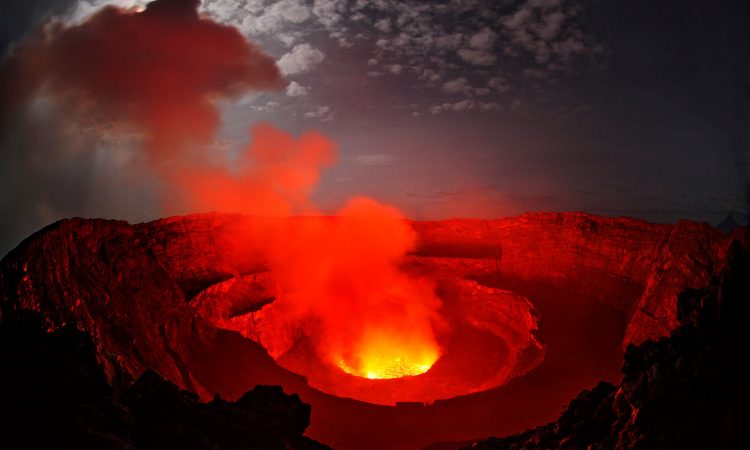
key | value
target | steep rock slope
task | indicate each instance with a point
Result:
(632, 265)
(105, 278)
(684, 391)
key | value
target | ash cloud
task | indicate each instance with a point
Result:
(103, 118)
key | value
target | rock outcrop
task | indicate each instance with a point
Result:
(94, 275)
(632, 265)
(55, 395)
(116, 282)
(685, 391)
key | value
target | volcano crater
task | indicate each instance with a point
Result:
(167, 295)
(486, 336)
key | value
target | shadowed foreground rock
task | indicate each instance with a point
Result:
(55, 394)
(685, 391)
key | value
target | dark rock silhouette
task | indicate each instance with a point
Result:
(728, 224)
(685, 391)
(56, 395)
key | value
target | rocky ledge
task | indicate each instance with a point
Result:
(684, 391)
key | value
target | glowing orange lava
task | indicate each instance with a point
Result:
(387, 355)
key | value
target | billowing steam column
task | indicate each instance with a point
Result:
(342, 292)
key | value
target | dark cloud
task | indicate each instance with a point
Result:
(18, 17)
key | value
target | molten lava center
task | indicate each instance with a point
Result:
(382, 369)
(389, 357)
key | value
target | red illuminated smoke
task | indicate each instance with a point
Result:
(161, 72)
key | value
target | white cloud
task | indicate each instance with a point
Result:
(342, 37)
(448, 41)
(274, 17)
(572, 46)
(288, 38)
(456, 85)
(358, 17)
(85, 8)
(425, 40)
(294, 11)
(499, 84)
(429, 76)
(516, 20)
(224, 10)
(463, 106)
(459, 106)
(323, 113)
(296, 90)
(488, 106)
(484, 39)
(550, 25)
(269, 106)
(384, 25)
(541, 28)
(302, 58)
(477, 57)
(329, 12)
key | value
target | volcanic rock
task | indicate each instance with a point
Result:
(684, 391)
(263, 418)
(632, 265)
(55, 395)
(116, 282)
(728, 224)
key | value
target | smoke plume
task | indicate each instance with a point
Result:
(98, 117)
(151, 79)
(341, 280)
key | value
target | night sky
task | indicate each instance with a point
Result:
(443, 109)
